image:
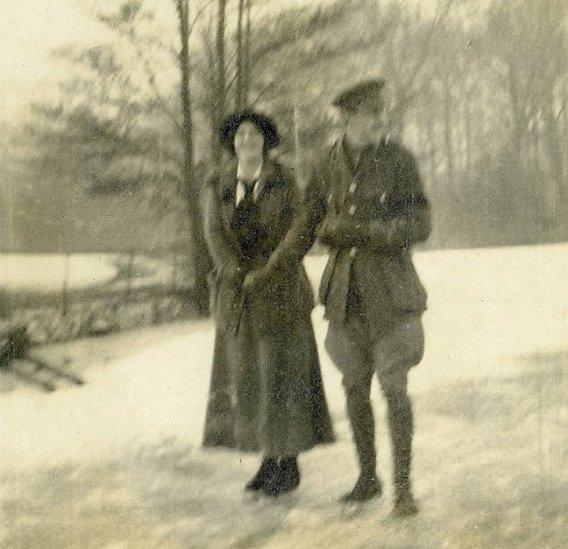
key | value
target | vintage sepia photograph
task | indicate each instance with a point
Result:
(281, 274)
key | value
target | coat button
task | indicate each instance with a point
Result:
(352, 187)
(352, 209)
(329, 198)
(352, 252)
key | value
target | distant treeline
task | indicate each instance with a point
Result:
(478, 91)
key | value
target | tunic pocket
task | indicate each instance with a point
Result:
(402, 282)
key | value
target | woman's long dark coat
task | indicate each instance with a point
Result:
(266, 390)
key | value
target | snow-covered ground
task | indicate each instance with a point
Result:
(488, 308)
(50, 272)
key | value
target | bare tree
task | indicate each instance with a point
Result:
(240, 94)
(191, 183)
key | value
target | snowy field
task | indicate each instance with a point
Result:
(48, 271)
(51, 272)
(117, 463)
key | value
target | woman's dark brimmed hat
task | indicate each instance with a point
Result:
(231, 123)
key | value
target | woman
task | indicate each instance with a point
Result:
(266, 388)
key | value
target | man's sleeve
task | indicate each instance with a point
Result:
(308, 210)
(410, 220)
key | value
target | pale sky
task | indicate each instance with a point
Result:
(30, 29)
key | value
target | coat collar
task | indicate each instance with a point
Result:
(270, 175)
(341, 163)
(341, 159)
(339, 149)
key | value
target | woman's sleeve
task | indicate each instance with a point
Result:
(219, 247)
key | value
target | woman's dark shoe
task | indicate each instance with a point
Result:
(268, 468)
(290, 474)
(272, 485)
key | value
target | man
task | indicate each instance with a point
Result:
(366, 200)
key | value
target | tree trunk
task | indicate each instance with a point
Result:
(239, 94)
(467, 136)
(448, 141)
(246, 54)
(553, 140)
(431, 138)
(298, 159)
(518, 121)
(220, 51)
(220, 88)
(191, 185)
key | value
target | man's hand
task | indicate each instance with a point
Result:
(340, 231)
